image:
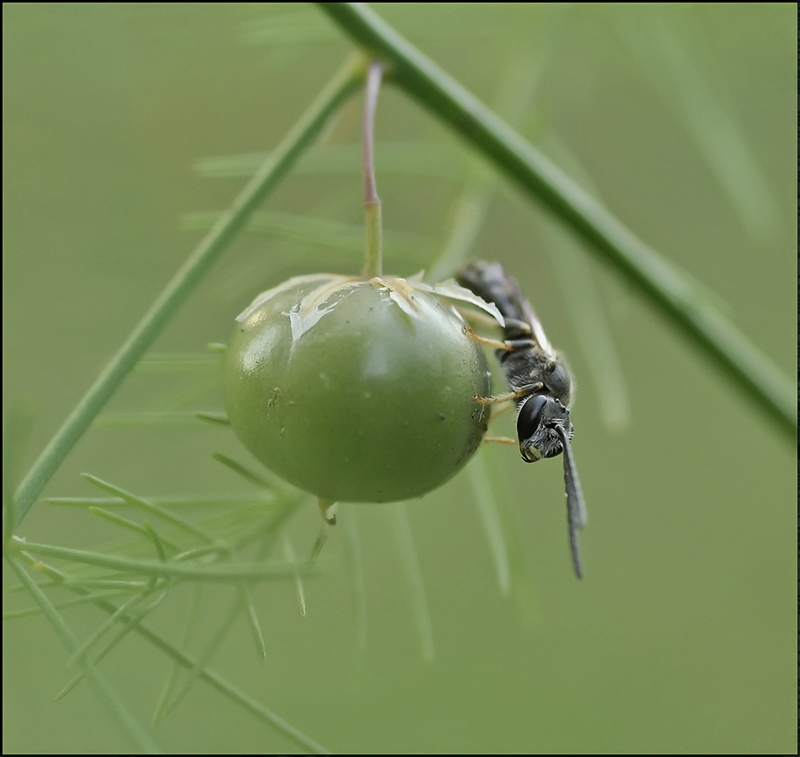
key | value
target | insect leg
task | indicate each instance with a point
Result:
(512, 345)
(496, 343)
(517, 394)
(496, 398)
(500, 439)
(477, 316)
(501, 407)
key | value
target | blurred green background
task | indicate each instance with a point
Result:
(682, 637)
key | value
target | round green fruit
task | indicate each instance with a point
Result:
(353, 390)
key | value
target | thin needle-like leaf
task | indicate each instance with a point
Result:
(355, 566)
(107, 695)
(125, 523)
(157, 541)
(220, 419)
(503, 535)
(227, 572)
(150, 507)
(26, 612)
(124, 612)
(178, 362)
(398, 158)
(490, 518)
(288, 551)
(411, 568)
(127, 624)
(129, 586)
(245, 473)
(318, 232)
(211, 677)
(172, 679)
(201, 662)
(233, 500)
(252, 619)
(146, 418)
(110, 622)
(720, 140)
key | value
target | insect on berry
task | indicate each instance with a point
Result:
(541, 385)
(357, 390)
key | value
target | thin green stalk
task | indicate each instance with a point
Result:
(184, 282)
(750, 370)
(373, 258)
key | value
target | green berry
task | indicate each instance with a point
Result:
(356, 390)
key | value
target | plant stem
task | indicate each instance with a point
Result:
(373, 262)
(185, 280)
(739, 360)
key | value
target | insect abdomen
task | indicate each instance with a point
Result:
(490, 282)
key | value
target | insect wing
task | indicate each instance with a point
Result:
(536, 328)
(530, 316)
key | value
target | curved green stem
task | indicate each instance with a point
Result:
(742, 362)
(184, 282)
(373, 259)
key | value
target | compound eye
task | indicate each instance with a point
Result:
(530, 416)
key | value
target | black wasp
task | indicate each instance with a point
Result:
(540, 384)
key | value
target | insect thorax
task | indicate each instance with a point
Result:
(525, 367)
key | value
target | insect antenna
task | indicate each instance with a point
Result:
(576, 505)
